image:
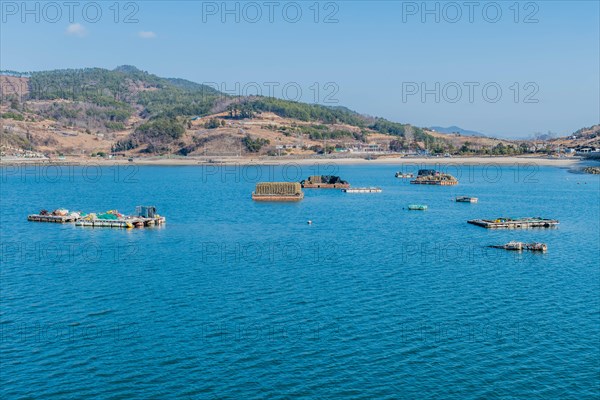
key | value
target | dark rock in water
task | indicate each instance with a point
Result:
(592, 170)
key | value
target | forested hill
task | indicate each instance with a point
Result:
(130, 111)
(118, 94)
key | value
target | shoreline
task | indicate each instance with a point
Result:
(245, 161)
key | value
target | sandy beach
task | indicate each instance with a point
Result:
(382, 160)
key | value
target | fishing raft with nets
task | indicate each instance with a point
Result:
(146, 216)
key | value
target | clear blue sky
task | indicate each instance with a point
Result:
(379, 55)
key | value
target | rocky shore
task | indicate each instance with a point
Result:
(592, 170)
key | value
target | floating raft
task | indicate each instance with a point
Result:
(441, 181)
(363, 190)
(146, 216)
(433, 177)
(278, 191)
(466, 199)
(121, 223)
(521, 223)
(417, 207)
(520, 246)
(324, 182)
(59, 219)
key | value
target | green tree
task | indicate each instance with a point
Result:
(254, 145)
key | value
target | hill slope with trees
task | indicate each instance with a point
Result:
(130, 111)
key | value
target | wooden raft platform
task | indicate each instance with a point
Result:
(520, 246)
(522, 223)
(278, 191)
(258, 197)
(121, 223)
(362, 190)
(59, 219)
(434, 182)
(145, 216)
(325, 185)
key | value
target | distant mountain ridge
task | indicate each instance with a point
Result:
(456, 129)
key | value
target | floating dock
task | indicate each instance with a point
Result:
(278, 191)
(59, 219)
(434, 182)
(324, 182)
(146, 216)
(363, 190)
(520, 223)
(128, 223)
(520, 246)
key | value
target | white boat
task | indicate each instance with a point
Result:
(363, 190)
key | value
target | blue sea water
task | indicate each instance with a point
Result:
(237, 299)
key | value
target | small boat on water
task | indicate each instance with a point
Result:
(404, 176)
(520, 246)
(362, 190)
(417, 207)
(466, 199)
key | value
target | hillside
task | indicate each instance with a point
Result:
(584, 137)
(456, 129)
(130, 112)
